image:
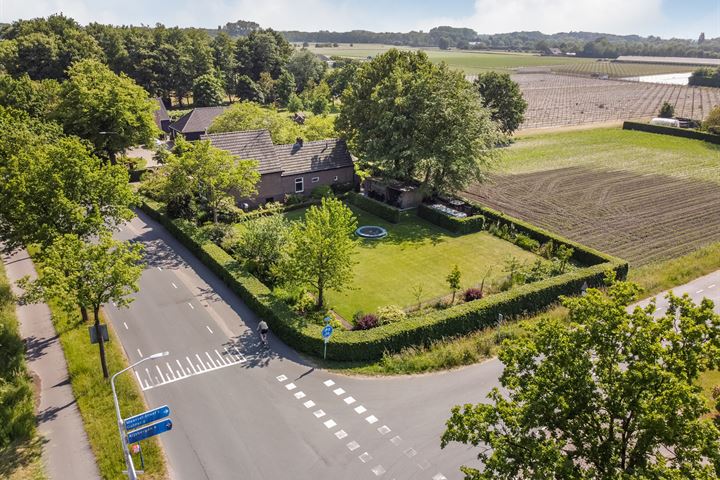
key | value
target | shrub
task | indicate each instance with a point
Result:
(471, 224)
(215, 232)
(380, 209)
(305, 303)
(666, 111)
(293, 199)
(526, 243)
(322, 191)
(472, 294)
(390, 314)
(366, 322)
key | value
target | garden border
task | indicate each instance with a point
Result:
(380, 209)
(673, 131)
(371, 345)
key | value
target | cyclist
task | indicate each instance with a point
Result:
(263, 329)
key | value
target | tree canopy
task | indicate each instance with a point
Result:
(502, 96)
(612, 394)
(208, 91)
(410, 119)
(306, 67)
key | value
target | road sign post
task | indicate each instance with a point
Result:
(326, 332)
(147, 417)
(149, 431)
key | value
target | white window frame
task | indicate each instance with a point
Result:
(302, 185)
(315, 179)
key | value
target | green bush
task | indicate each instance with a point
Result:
(390, 314)
(380, 209)
(321, 191)
(675, 132)
(525, 242)
(471, 224)
(372, 344)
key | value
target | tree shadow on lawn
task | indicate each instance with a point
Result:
(410, 230)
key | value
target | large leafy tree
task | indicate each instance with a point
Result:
(85, 276)
(504, 99)
(260, 244)
(251, 116)
(53, 185)
(208, 91)
(611, 394)
(262, 51)
(109, 110)
(410, 119)
(37, 98)
(320, 253)
(307, 69)
(223, 50)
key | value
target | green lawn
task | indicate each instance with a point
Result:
(416, 252)
(469, 61)
(615, 149)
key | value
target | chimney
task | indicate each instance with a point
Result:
(299, 141)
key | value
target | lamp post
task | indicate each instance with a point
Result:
(132, 475)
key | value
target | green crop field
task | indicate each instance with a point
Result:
(416, 252)
(620, 69)
(471, 62)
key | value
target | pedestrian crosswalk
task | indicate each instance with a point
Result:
(183, 368)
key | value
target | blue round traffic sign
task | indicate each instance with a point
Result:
(327, 331)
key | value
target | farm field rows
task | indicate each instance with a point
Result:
(613, 197)
(564, 100)
(619, 69)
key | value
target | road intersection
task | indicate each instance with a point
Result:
(243, 411)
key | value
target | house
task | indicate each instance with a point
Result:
(555, 51)
(162, 119)
(195, 123)
(288, 169)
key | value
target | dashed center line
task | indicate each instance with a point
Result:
(139, 352)
(125, 325)
(700, 291)
(159, 269)
(209, 329)
(191, 305)
(711, 286)
(173, 284)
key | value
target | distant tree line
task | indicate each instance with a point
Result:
(706, 77)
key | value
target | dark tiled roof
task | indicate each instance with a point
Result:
(197, 120)
(161, 114)
(313, 156)
(248, 145)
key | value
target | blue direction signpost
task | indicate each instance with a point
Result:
(326, 332)
(149, 431)
(147, 417)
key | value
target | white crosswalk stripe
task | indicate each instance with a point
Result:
(230, 358)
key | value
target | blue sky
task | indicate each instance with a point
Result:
(680, 18)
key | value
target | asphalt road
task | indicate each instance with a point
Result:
(241, 411)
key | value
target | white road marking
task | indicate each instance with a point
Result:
(291, 386)
(338, 391)
(173, 284)
(340, 434)
(424, 465)
(171, 370)
(349, 400)
(160, 372)
(378, 470)
(319, 413)
(300, 395)
(238, 353)
(138, 377)
(224, 361)
(209, 330)
(309, 404)
(396, 440)
(281, 378)
(191, 305)
(180, 365)
(159, 269)
(139, 352)
(330, 423)
(365, 457)
(410, 452)
(175, 375)
(202, 365)
(211, 360)
(711, 286)
(352, 446)
(231, 355)
(360, 410)
(125, 325)
(329, 383)
(384, 430)
(439, 476)
(371, 419)
(191, 364)
(700, 291)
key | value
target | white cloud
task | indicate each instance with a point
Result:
(551, 16)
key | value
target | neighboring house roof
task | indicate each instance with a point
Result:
(197, 120)
(313, 156)
(161, 114)
(248, 145)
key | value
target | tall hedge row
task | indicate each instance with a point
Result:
(380, 209)
(675, 132)
(372, 344)
(471, 224)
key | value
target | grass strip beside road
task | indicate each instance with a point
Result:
(22, 460)
(94, 397)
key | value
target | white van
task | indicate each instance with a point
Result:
(665, 122)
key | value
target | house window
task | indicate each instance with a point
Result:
(335, 178)
(299, 185)
(315, 179)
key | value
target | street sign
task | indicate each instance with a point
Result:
(327, 331)
(327, 320)
(146, 417)
(103, 332)
(149, 431)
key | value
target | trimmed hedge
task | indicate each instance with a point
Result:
(380, 209)
(471, 224)
(371, 344)
(675, 132)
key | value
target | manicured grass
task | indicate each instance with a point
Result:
(416, 252)
(469, 61)
(23, 460)
(614, 149)
(94, 396)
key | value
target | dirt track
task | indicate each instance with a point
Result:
(641, 218)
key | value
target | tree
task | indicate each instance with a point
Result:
(319, 127)
(37, 98)
(284, 88)
(52, 185)
(251, 116)
(443, 44)
(666, 110)
(410, 119)
(295, 103)
(502, 96)
(223, 51)
(317, 98)
(266, 85)
(712, 122)
(208, 91)
(109, 110)
(453, 281)
(339, 78)
(612, 394)
(262, 51)
(320, 253)
(260, 244)
(306, 67)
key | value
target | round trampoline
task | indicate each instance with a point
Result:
(371, 231)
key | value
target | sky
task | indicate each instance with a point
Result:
(665, 18)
